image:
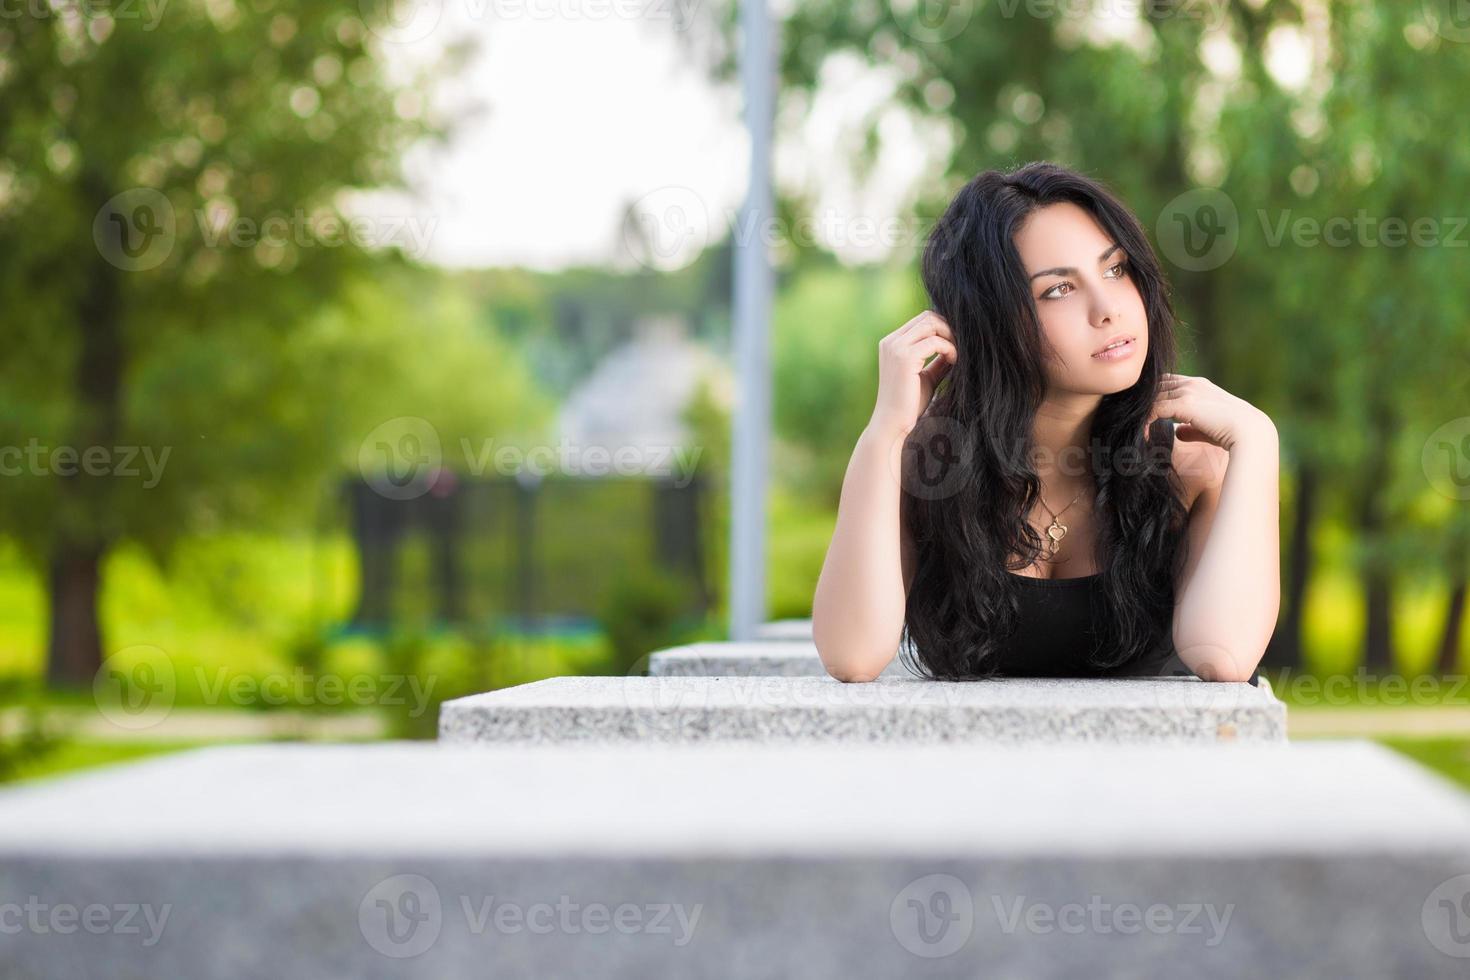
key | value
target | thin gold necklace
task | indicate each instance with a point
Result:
(1056, 531)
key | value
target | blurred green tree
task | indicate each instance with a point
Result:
(173, 201)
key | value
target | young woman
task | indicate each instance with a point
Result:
(1018, 504)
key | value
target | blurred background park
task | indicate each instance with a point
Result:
(297, 294)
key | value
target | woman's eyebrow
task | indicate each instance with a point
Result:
(1068, 270)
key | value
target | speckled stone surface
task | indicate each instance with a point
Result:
(785, 629)
(1321, 859)
(821, 709)
(775, 658)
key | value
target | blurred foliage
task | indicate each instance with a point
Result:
(405, 654)
(827, 326)
(709, 425)
(565, 322)
(174, 205)
(25, 739)
(224, 354)
(643, 613)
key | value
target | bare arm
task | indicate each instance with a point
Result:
(1231, 585)
(858, 607)
(1229, 592)
(857, 611)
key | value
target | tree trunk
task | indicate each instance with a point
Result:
(1377, 582)
(75, 645)
(1378, 635)
(1285, 648)
(76, 635)
(1449, 641)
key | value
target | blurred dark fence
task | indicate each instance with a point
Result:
(533, 554)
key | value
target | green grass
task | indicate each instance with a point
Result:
(1449, 757)
(1360, 688)
(75, 756)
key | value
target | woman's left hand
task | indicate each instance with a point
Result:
(1206, 412)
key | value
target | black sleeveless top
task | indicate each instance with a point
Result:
(1058, 626)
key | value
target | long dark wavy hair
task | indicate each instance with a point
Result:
(968, 479)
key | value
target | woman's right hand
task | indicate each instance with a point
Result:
(905, 384)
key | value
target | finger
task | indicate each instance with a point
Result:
(895, 334)
(937, 368)
(1161, 410)
(935, 344)
(914, 321)
(932, 326)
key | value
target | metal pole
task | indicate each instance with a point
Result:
(752, 319)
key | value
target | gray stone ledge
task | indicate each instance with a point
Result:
(785, 629)
(772, 658)
(822, 709)
(1329, 858)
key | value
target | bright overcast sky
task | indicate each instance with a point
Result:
(587, 114)
(583, 116)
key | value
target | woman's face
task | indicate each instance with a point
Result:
(1085, 296)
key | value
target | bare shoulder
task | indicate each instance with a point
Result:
(1201, 466)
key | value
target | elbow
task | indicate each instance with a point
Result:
(845, 658)
(845, 669)
(1229, 677)
(847, 675)
(1213, 662)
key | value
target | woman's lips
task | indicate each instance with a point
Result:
(1117, 353)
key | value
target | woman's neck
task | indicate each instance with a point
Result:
(1060, 435)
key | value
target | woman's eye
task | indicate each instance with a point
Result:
(1122, 268)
